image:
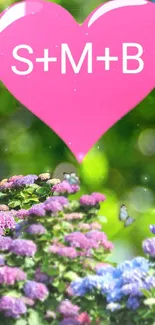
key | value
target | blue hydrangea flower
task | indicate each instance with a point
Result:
(114, 296)
(141, 262)
(133, 303)
(113, 306)
(78, 287)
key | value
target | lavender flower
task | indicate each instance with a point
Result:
(152, 229)
(132, 289)
(149, 246)
(65, 188)
(61, 199)
(15, 178)
(6, 186)
(22, 214)
(2, 260)
(19, 228)
(36, 229)
(42, 277)
(53, 206)
(26, 180)
(5, 243)
(96, 235)
(78, 239)
(150, 282)
(69, 252)
(133, 303)
(37, 210)
(23, 247)
(67, 309)
(9, 275)
(1, 232)
(35, 290)
(13, 307)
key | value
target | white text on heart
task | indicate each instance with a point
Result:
(87, 53)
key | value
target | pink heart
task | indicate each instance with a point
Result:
(79, 107)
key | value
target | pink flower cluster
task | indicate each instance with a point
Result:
(6, 221)
(64, 251)
(92, 199)
(9, 275)
(89, 240)
(72, 312)
(65, 188)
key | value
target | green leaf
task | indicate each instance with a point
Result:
(146, 293)
(35, 318)
(12, 293)
(14, 204)
(52, 272)
(42, 191)
(21, 322)
(61, 286)
(71, 276)
(29, 262)
(2, 195)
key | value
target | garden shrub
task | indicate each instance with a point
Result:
(52, 262)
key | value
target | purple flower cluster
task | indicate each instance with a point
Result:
(25, 180)
(37, 210)
(22, 214)
(15, 178)
(9, 275)
(2, 260)
(42, 277)
(36, 229)
(79, 240)
(67, 309)
(12, 307)
(52, 205)
(65, 188)
(152, 229)
(6, 186)
(6, 220)
(92, 199)
(5, 243)
(149, 246)
(23, 247)
(89, 240)
(64, 251)
(35, 290)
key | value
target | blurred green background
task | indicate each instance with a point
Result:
(121, 165)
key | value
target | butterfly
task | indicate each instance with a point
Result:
(123, 216)
(71, 178)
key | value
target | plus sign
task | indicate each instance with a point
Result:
(46, 59)
(107, 58)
